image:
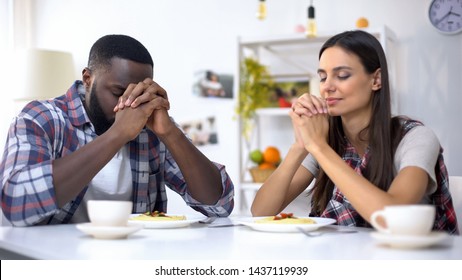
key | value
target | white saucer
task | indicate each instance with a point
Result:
(102, 232)
(409, 241)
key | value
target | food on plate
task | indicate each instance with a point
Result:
(157, 216)
(285, 218)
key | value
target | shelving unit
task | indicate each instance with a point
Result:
(287, 57)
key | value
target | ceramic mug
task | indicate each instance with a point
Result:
(109, 212)
(405, 219)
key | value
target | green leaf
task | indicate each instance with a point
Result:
(254, 88)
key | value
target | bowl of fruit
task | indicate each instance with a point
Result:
(266, 162)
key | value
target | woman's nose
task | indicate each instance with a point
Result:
(327, 86)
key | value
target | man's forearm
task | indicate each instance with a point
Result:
(201, 175)
(73, 172)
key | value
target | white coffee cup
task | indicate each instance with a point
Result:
(405, 219)
(111, 213)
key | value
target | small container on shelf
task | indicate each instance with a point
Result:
(260, 175)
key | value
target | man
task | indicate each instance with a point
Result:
(109, 137)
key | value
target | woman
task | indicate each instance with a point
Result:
(362, 158)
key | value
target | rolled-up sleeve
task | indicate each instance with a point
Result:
(224, 205)
(222, 208)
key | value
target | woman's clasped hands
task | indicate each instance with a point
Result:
(309, 116)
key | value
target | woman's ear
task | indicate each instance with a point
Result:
(377, 82)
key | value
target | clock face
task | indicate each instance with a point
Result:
(446, 15)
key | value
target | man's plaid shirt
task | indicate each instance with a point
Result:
(46, 130)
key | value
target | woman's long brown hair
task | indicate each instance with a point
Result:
(383, 132)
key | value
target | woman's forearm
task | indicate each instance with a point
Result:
(280, 188)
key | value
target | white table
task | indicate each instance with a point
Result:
(199, 241)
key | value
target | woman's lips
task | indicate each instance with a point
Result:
(332, 101)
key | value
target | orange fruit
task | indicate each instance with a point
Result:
(266, 165)
(271, 155)
(362, 22)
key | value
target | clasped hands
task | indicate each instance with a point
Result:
(143, 104)
(309, 116)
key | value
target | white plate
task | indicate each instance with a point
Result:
(103, 232)
(166, 224)
(409, 241)
(250, 222)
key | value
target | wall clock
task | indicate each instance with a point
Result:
(446, 16)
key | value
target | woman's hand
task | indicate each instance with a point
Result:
(298, 138)
(310, 121)
(309, 105)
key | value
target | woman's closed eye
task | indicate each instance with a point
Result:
(343, 77)
(340, 77)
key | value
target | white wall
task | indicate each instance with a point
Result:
(184, 36)
(4, 24)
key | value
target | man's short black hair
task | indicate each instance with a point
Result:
(121, 46)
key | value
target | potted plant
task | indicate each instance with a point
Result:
(254, 87)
